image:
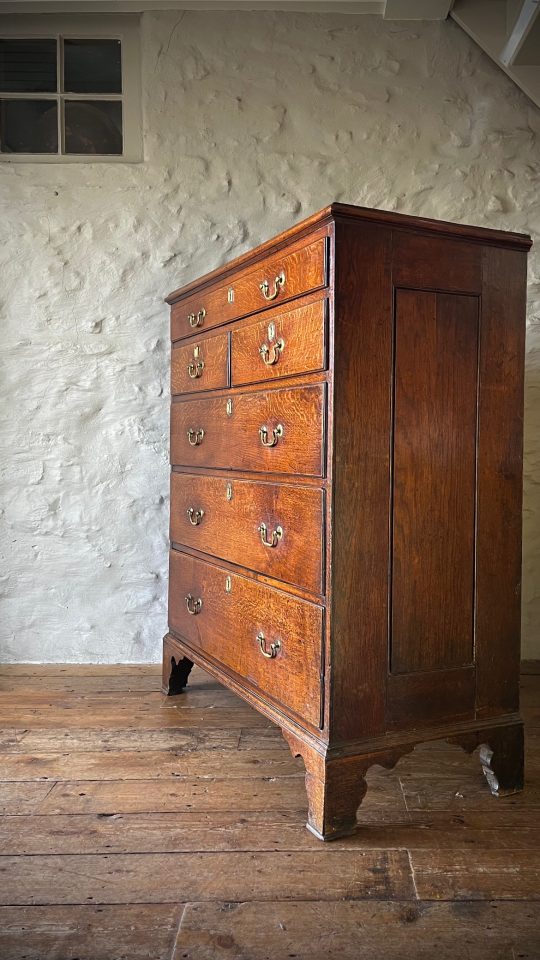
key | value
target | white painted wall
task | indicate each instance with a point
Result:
(252, 121)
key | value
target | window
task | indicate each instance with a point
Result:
(69, 90)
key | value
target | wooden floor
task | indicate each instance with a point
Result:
(141, 827)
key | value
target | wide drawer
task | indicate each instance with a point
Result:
(275, 431)
(277, 278)
(268, 637)
(281, 343)
(275, 529)
(200, 365)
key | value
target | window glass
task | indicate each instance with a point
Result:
(28, 65)
(93, 126)
(92, 66)
(28, 126)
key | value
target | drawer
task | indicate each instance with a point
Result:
(275, 529)
(277, 278)
(268, 637)
(280, 344)
(200, 365)
(276, 431)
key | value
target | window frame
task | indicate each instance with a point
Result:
(124, 27)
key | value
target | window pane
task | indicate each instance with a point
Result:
(93, 126)
(92, 66)
(28, 126)
(27, 65)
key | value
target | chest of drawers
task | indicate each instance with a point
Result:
(346, 445)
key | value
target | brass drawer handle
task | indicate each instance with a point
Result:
(277, 432)
(270, 354)
(195, 369)
(279, 283)
(275, 538)
(194, 606)
(194, 516)
(196, 319)
(274, 647)
(195, 437)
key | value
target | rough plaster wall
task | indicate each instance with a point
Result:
(252, 121)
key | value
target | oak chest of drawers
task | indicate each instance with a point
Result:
(346, 445)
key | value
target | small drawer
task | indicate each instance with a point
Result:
(266, 636)
(200, 365)
(275, 431)
(272, 528)
(280, 277)
(281, 344)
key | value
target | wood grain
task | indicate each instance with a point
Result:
(304, 266)
(138, 878)
(229, 623)
(302, 332)
(233, 441)
(434, 472)
(493, 874)
(264, 886)
(203, 364)
(361, 480)
(230, 527)
(348, 931)
(500, 428)
(89, 933)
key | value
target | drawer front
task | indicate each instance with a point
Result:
(236, 621)
(279, 277)
(278, 431)
(275, 529)
(200, 365)
(281, 344)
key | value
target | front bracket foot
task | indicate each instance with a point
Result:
(178, 677)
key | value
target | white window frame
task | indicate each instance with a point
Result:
(123, 27)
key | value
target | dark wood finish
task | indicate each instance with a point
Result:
(304, 269)
(176, 671)
(436, 263)
(302, 333)
(230, 526)
(232, 618)
(398, 379)
(500, 454)
(233, 440)
(202, 364)
(361, 404)
(434, 472)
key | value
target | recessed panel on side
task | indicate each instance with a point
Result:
(434, 480)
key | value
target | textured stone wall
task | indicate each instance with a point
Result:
(252, 121)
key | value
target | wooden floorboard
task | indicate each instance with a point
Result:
(139, 826)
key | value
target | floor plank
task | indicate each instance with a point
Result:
(216, 831)
(151, 796)
(79, 740)
(119, 932)
(180, 877)
(23, 798)
(355, 930)
(490, 874)
(121, 806)
(149, 765)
